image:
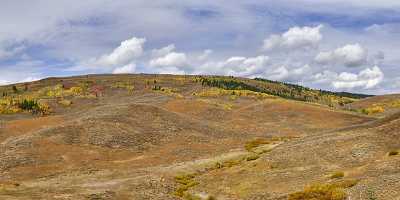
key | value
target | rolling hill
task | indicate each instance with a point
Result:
(164, 137)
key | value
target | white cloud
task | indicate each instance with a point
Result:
(172, 59)
(351, 55)
(366, 79)
(206, 53)
(236, 66)
(295, 38)
(124, 54)
(282, 73)
(129, 68)
(163, 51)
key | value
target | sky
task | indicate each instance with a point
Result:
(338, 45)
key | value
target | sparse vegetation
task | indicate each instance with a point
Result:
(373, 110)
(185, 181)
(65, 102)
(250, 145)
(220, 144)
(333, 191)
(284, 90)
(394, 153)
(320, 192)
(233, 94)
(15, 105)
(124, 85)
(168, 91)
(257, 142)
(337, 175)
(252, 157)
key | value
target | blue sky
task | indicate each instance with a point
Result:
(338, 45)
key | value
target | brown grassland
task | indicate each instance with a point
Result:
(164, 137)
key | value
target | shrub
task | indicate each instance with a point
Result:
(373, 110)
(250, 145)
(28, 104)
(76, 91)
(333, 191)
(185, 182)
(56, 91)
(320, 192)
(42, 109)
(337, 175)
(252, 157)
(393, 153)
(15, 89)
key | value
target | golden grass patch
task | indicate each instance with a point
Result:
(333, 191)
(337, 175)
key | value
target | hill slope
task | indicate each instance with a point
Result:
(174, 137)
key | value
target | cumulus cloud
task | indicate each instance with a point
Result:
(129, 68)
(163, 51)
(295, 38)
(123, 54)
(236, 66)
(351, 55)
(366, 79)
(172, 59)
(282, 73)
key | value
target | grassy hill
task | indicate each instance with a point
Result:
(191, 137)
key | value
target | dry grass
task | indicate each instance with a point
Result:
(320, 192)
(334, 191)
(337, 175)
(185, 181)
(65, 102)
(250, 145)
(252, 157)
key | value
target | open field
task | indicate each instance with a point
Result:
(181, 137)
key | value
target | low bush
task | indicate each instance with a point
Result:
(185, 181)
(252, 157)
(337, 175)
(394, 153)
(332, 191)
(320, 192)
(373, 110)
(13, 105)
(250, 145)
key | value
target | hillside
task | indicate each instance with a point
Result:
(380, 106)
(191, 137)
